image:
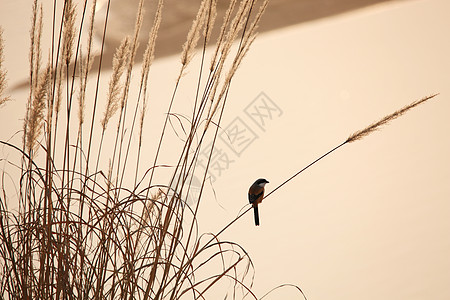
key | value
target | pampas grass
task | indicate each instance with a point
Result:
(34, 122)
(120, 60)
(80, 230)
(3, 73)
(385, 120)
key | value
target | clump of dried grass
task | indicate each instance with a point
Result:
(78, 231)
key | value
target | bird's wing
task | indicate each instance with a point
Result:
(253, 197)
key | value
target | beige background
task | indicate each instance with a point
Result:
(371, 221)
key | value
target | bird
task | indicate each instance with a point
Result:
(256, 195)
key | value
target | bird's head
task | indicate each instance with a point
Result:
(260, 182)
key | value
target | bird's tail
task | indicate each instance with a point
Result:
(255, 210)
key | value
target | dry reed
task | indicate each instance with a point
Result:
(3, 73)
(358, 135)
(69, 31)
(86, 65)
(248, 36)
(194, 33)
(376, 126)
(149, 56)
(33, 124)
(121, 58)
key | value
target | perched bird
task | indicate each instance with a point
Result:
(255, 196)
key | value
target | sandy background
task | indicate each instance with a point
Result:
(371, 221)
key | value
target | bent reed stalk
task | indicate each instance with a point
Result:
(360, 134)
(357, 135)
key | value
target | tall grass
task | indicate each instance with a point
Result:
(80, 231)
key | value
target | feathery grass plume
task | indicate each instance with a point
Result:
(194, 34)
(358, 135)
(120, 59)
(85, 66)
(211, 19)
(35, 121)
(32, 54)
(33, 76)
(37, 46)
(120, 133)
(148, 212)
(149, 56)
(230, 29)
(60, 73)
(68, 31)
(375, 126)
(237, 61)
(3, 73)
(82, 89)
(237, 24)
(225, 23)
(223, 46)
(132, 49)
(249, 36)
(149, 53)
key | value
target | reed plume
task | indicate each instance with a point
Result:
(383, 121)
(149, 53)
(360, 134)
(194, 33)
(37, 46)
(149, 56)
(239, 23)
(69, 31)
(120, 59)
(3, 73)
(34, 63)
(34, 123)
(134, 43)
(86, 65)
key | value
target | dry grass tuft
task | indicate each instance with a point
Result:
(79, 231)
(33, 124)
(377, 125)
(69, 31)
(149, 53)
(238, 23)
(3, 73)
(194, 33)
(85, 66)
(120, 60)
